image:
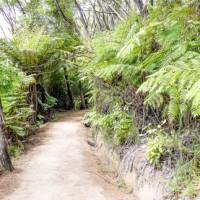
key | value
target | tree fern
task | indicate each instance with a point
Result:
(180, 81)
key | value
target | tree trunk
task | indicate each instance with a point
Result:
(142, 9)
(114, 10)
(105, 20)
(82, 97)
(66, 19)
(93, 5)
(21, 8)
(83, 19)
(151, 2)
(69, 90)
(33, 101)
(4, 156)
(119, 4)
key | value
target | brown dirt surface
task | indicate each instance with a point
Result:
(60, 165)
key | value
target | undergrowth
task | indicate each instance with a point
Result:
(16, 150)
(117, 126)
(179, 151)
(158, 58)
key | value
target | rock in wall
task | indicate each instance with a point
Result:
(146, 182)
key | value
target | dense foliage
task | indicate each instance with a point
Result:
(37, 66)
(138, 68)
(148, 68)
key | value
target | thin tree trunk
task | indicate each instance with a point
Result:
(103, 15)
(4, 156)
(34, 102)
(20, 5)
(96, 16)
(140, 6)
(118, 4)
(83, 105)
(68, 22)
(66, 19)
(69, 90)
(128, 4)
(114, 10)
(83, 19)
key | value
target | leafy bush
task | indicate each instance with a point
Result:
(50, 103)
(185, 180)
(91, 119)
(117, 127)
(181, 153)
(162, 147)
(16, 150)
(158, 58)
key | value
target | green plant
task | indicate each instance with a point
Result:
(185, 180)
(51, 101)
(16, 150)
(117, 127)
(182, 150)
(124, 128)
(91, 119)
(159, 148)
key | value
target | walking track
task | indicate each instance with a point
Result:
(59, 166)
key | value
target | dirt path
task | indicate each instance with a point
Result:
(61, 166)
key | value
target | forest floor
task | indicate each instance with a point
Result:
(59, 165)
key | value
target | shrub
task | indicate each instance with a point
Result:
(162, 147)
(117, 127)
(181, 151)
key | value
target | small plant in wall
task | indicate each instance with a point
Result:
(162, 147)
(158, 148)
